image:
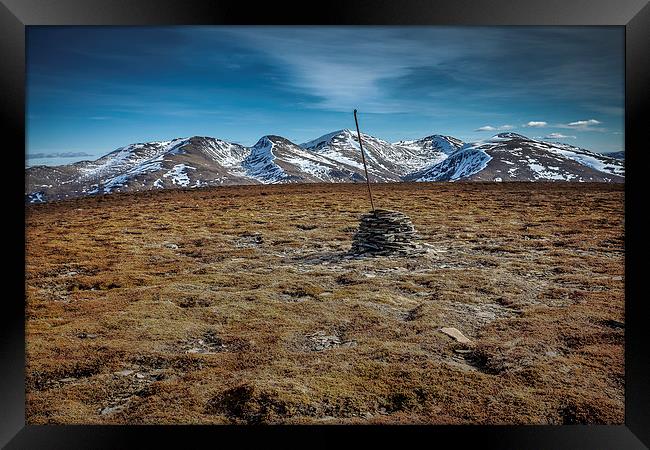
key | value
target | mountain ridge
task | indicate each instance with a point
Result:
(334, 157)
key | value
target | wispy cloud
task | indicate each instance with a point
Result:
(536, 124)
(584, 123)
(382, 70)
(558, 136)
(491, 128)
(57, 155)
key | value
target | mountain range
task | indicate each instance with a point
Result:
(332, 158)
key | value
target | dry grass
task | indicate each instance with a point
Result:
(204, 306)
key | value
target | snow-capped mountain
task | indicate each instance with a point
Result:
(429, 150)
(513, 157)
(333, 158)
(274, 159)
(385, 162)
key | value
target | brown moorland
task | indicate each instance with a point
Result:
(241, 305)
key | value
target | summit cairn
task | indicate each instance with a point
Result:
(385, 232)
(381, 231)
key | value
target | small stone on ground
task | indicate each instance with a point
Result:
(456, 334)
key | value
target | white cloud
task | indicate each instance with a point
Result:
(558, 136)
(536, 124)
(491, 128)
(583, 123)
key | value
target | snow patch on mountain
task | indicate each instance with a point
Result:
(260, 165)
(225, 153)
(463, 163)
(35, 197)
(594, 160)
(333, 145)
(178, 175)
(125, 158)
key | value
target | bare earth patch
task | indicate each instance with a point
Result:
(243, 305)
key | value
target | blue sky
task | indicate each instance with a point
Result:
(91, 90)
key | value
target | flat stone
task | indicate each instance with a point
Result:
(462, 351)
(112, 409)
(125, 373)
(456, 334)
(86, 336)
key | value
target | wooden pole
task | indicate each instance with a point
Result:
(363, 158)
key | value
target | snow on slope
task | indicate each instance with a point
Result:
(225, 153)
(428, 151)
(385, 161)
(338, 146)
(275, 159)
(600, 162)
(128, 157)
(514, 157)
(178, 175)
(437, 142)
(555, 161)
(468, 160)
(260, 165)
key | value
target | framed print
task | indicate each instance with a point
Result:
(378, 218)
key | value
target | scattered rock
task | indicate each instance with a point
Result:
(456, 334)
(125, 373)
(115, 408)
(86, 336)
(111, 409)
(320, 341)
(306, 226)
(247, 240)
(460, 363)
(385, 232)
(463, 351)
(170, 245)
(210, 343)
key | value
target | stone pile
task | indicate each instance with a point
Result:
(385, 232)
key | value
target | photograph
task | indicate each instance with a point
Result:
(325, 225)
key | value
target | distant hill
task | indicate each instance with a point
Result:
(617, 155)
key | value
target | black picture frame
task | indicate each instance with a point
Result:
(15, 15)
